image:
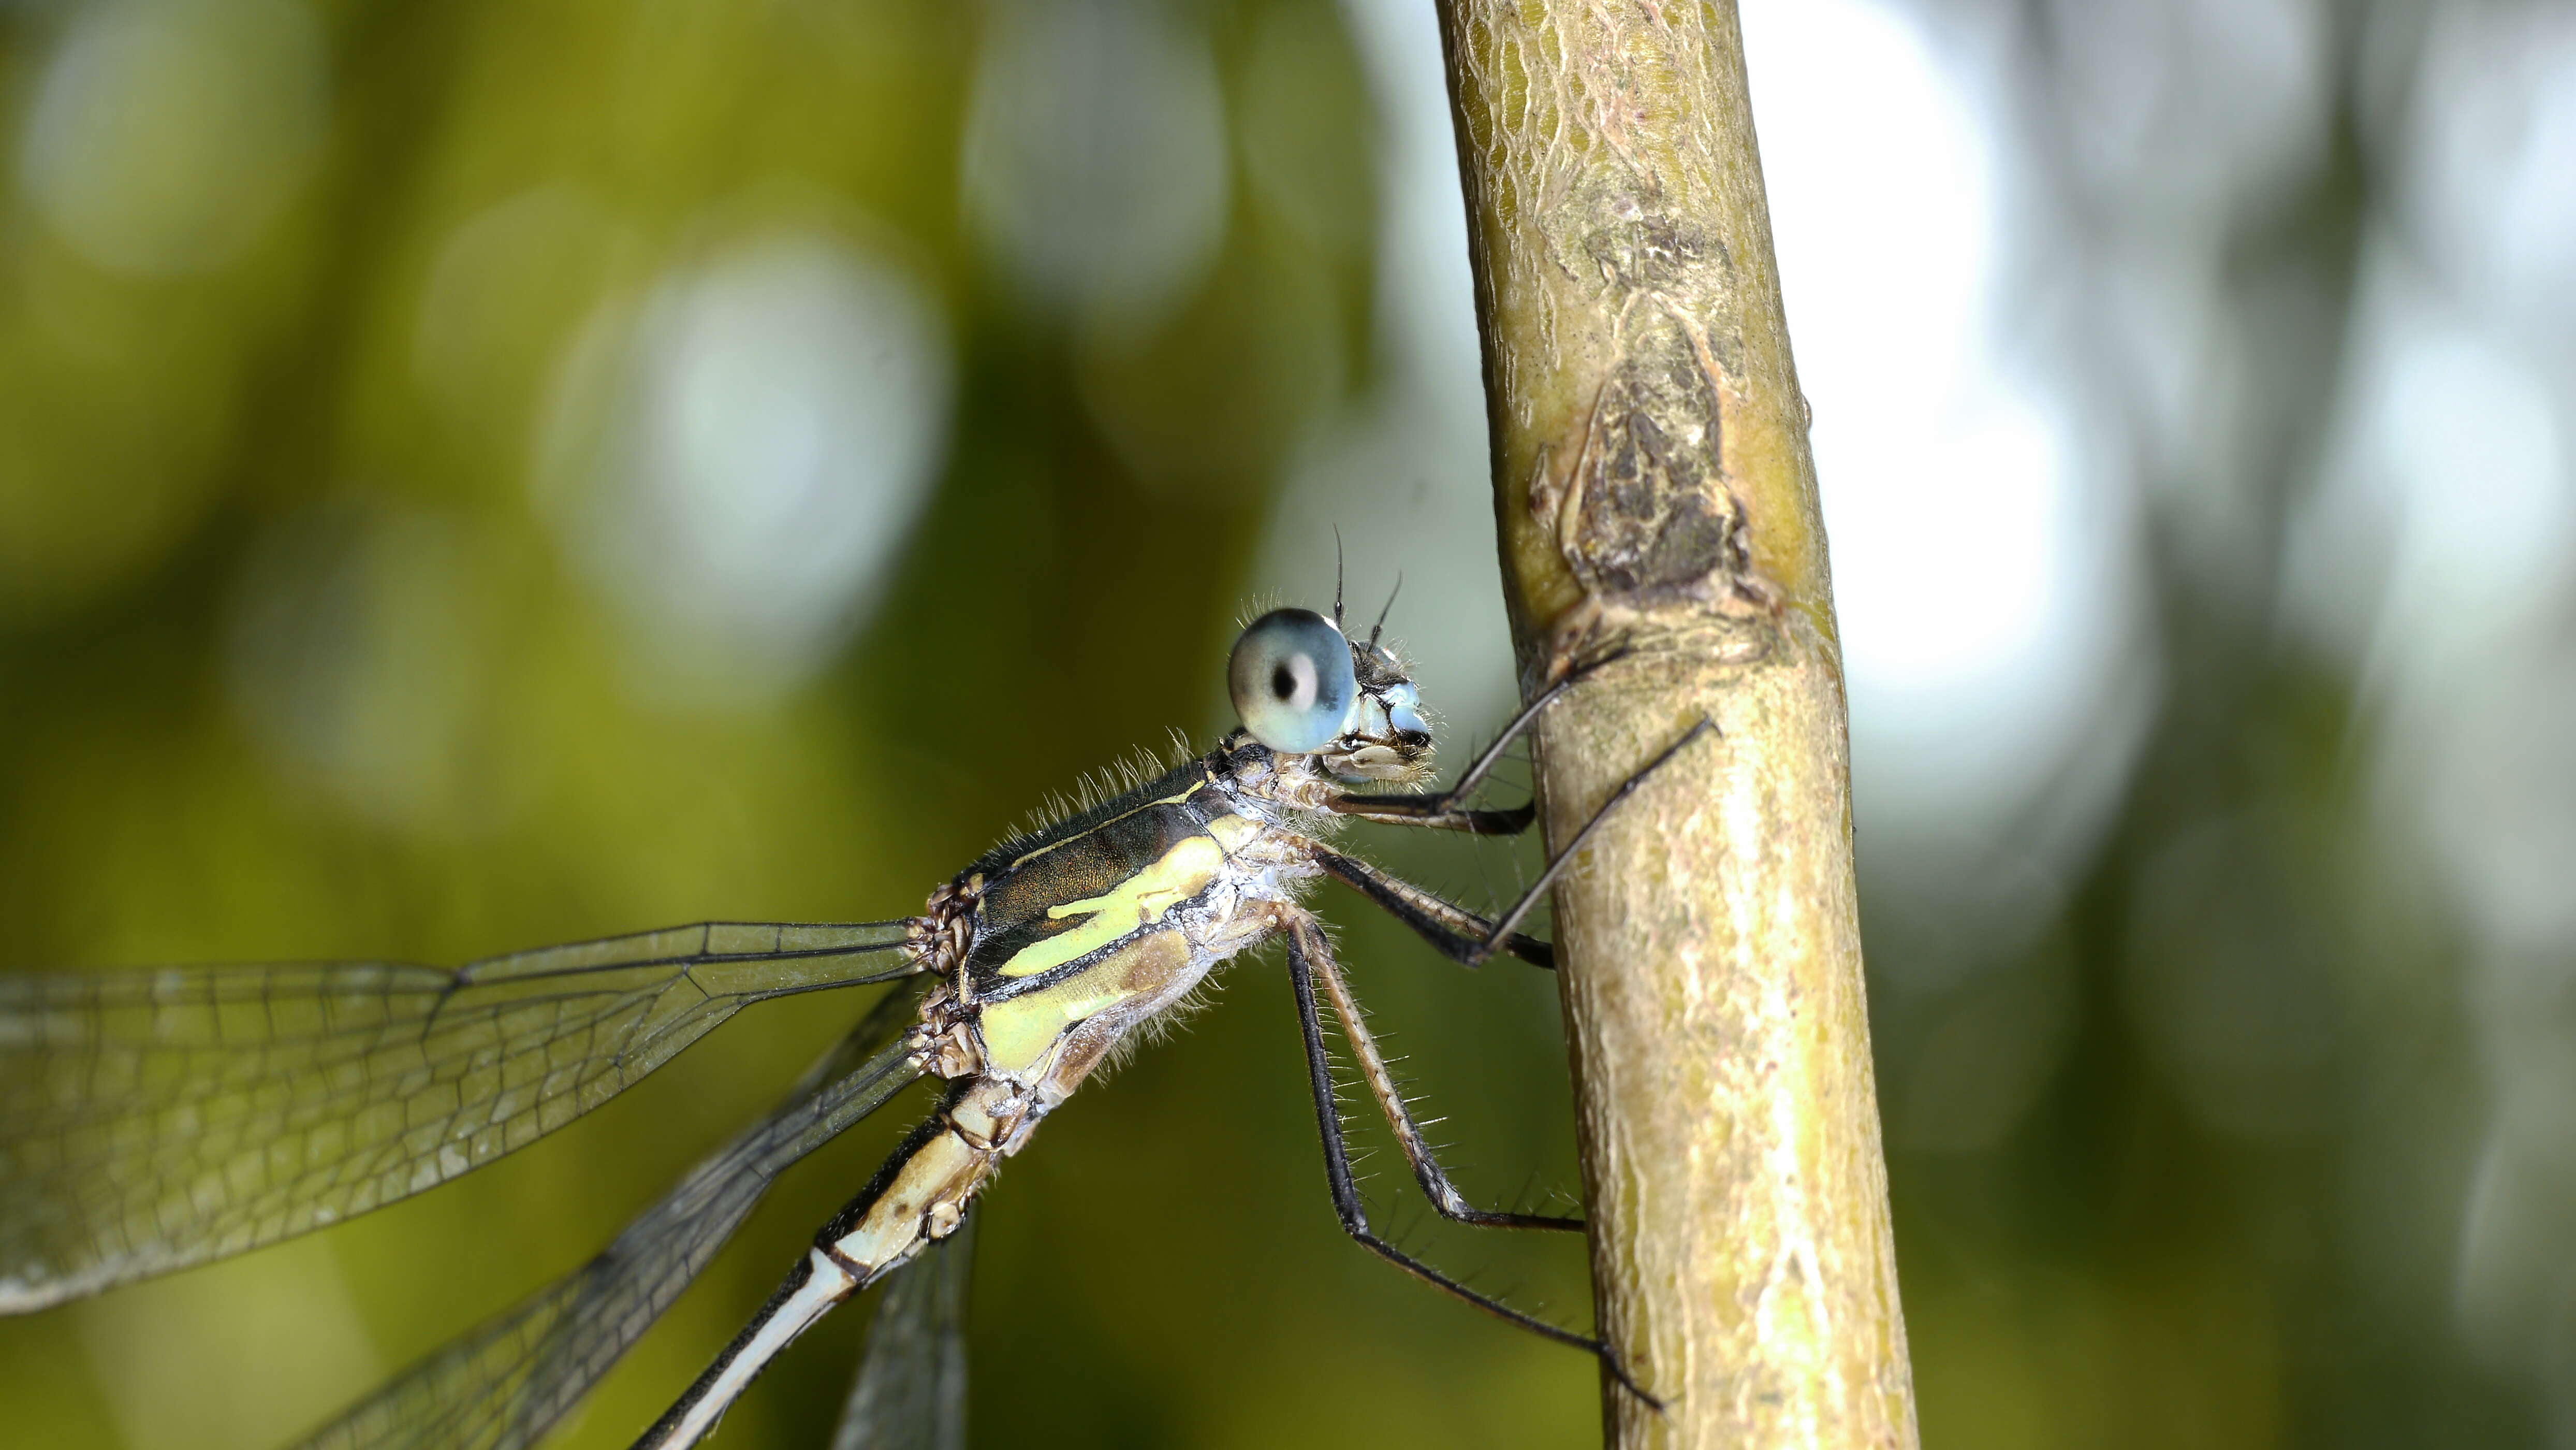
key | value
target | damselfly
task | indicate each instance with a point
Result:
(154, 1120)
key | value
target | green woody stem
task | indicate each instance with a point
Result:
(1657, 501)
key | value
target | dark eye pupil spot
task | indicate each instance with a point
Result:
(1283, 682)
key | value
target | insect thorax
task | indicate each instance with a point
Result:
(1053, 946)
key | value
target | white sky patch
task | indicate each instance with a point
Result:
(2466, 439)
(2178, 111)
(2491, 180)
(2439, 552)
(738, 459)
(1986, 598)
(2434, 559)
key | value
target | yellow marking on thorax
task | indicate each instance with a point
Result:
(1019, 1032)
(1138, 902)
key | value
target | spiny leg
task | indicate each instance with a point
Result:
(1440, 810)
(1505, 930)
(1458, 933)
(1427, 1171)
(1435, 813)
(1354, 1217)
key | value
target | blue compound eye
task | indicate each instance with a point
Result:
(1291, 680)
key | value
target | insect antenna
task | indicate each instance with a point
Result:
(1337, 576)
(1380, 626)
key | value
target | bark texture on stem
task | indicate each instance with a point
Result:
(1656, 498)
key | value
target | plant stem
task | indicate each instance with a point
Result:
(1657, 503)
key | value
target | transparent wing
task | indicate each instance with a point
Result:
(154, 1119)
(502, 1385)
(911, 1389)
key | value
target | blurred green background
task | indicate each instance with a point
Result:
(477, 474)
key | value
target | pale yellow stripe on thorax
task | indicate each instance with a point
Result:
(1138, 902)
(1020, 1032)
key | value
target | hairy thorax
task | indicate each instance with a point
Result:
(1056, 949)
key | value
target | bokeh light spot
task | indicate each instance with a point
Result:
(1096, 162)
(166, 134)
(737, 459)
(507, 283)
(2491, 171)
(358, 646)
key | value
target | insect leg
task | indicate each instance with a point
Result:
(1427, 1171)
(1346, 1194)
(1435, 813)
(1458, 933)
(1500, 938)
